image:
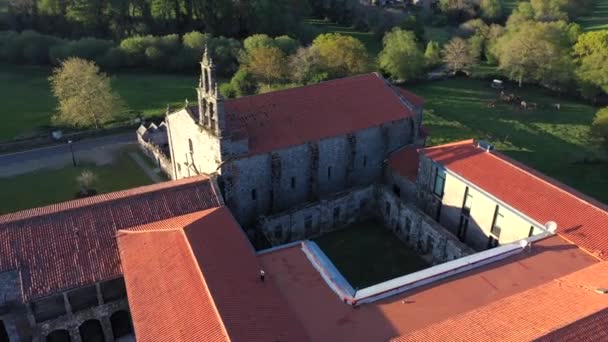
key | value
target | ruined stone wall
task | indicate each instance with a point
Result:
(157, 154)
(401, 186)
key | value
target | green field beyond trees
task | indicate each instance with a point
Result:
(554, 142)
(27, 103)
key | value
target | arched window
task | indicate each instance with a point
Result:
(204, 107)
(91, 331)
(206, 80)
(59, 336)
(190, 146)
(211, 111)
(121, 324)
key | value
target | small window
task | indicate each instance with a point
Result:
(397, 190)
(254, 194)
(190, 146)
(329, 172)
(293, 182)
(336, 214)
(497, 222)
(388, 208)
(439, 184)
(364, 161)
(179, 167)
(467, 202)
(531, 232)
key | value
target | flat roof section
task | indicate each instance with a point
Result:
(326, 318)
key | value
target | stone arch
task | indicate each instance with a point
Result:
(60, 335)
(211, 111)
(3, 333)
(91, 331)
(206, 80)
(121, 324)
(205, 105)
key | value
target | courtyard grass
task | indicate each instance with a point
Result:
(367, 253)
(554, 142)
(45, 187)
(27, 103)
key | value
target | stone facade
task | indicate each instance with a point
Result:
(411, 225)
(99, 310)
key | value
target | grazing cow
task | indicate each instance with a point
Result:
(523, 105)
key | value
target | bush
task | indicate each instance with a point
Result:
(287, 44)
(599, 126)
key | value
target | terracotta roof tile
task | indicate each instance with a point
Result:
(72, 244)
(579, 219)
(568, 302)
(295, 116)
(405, 162)
(215, 266)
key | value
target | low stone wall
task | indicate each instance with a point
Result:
(314, 219)
(153, 151)
(418, 230)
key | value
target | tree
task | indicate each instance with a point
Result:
(84, 94)
(591, 53)
(536, 52)
(268, 64)
(458, 56)
(243, 83)
(599, 127)
(342, 55)
(432, 54)
(401, 57)
(257, 41)
(287, 44)
(491, 9)
(86, 180)
(306, 66)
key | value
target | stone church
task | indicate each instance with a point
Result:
(276, 150)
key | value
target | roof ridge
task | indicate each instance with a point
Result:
(454, 143)
(499, 156)
(97, 199)
(334, 80)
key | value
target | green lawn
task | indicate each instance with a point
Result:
(598, 19)
(442, 35)
(51, 186)
(549, 140)
(371, 42)
(367, 253)
(27, 103)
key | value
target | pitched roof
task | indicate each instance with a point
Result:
(206, 283)
(72, 244)
(295, 116)
(579, 219)
(405, 162)
(568, 306)
(326, 318)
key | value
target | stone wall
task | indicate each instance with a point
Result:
(328, 214)
(411, 225)
(155, 151)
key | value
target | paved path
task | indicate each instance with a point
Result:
(98, 150)
(142, 164)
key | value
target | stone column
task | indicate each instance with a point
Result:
(106, 325)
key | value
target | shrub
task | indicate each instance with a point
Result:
(600, 126)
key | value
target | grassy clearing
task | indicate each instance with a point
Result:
(551, 141)
(366, 253)
(597, 19)
(371, 42)
(27, 103)
(442, 35)
(51, 186)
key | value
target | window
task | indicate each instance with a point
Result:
(467, 202)
(462, 227)
(438, 213)
(190, 146)
(397, 190)
(364, 161)
(439, 182)
(388, 208)
(254, 194)
(179, 168)
(336, 214)
(531, 232)
(329, 172)
(293, 182)
(496, 224)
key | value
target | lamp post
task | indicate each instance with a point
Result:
(72, 151)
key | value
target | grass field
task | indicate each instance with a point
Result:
(51, 186)
(366, 253)
(549, 140)
(27, 103)
(598, 19)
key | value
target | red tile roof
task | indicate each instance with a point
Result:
(72, 244)
(569, 306)
(326, 318)
(405, 162)
(206, 283)
(296, 116)
(579, 219)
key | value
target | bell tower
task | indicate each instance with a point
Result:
(210, 102)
